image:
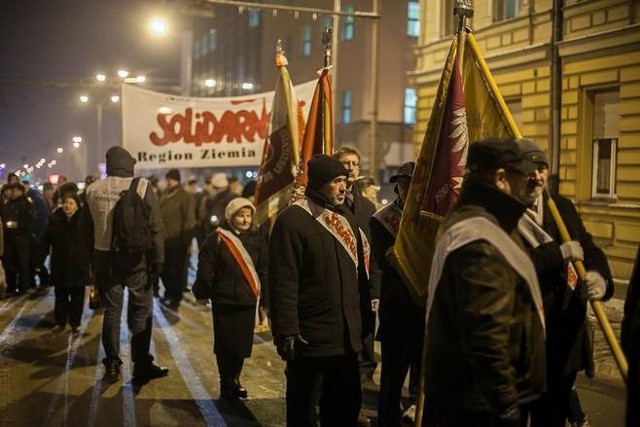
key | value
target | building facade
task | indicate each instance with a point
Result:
(233, 54)
(570, 74)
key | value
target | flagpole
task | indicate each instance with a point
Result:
(462, 10)
(327, 42)
(597, 306)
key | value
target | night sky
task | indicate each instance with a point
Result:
(49, 49)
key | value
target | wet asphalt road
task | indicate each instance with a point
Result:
(55, 379)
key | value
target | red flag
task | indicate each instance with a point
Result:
(318, 134)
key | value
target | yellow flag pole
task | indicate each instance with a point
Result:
(597, 306)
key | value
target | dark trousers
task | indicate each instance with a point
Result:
(112, 283)
(397, 357)
(552, 408)
(16, 259)
(435, 417)
(367, 358)
(340, 393)
(174, 271)
(69, 304)
(38, 256)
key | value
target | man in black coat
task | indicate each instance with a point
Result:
(401, 328)
(317, 258)
(568, 341)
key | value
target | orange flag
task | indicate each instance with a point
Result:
(280, 156)
(318, 134)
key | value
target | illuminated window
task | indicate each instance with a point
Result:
(348, 25)
(413, 19)
(507, 9)
(254, 18)
(410, 101)
(306, 40)
(346, 107)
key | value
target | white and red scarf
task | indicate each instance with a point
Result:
(339, 228)
(242, 257)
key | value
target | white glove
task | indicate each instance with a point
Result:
(572, 251)
(375, 303)
(594, 286)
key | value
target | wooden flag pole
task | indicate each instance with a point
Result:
(597, 306)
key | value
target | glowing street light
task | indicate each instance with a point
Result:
(76, 145)
(101, 77)
(158, 26)
(247, 86)
(60, 150)
(123, 74)
(77, 139)
(84, 99)
(115, 99)
(210, 83)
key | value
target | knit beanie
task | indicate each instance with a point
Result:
(174, 174)
(322, 169)
(235, 205)
(119, 162)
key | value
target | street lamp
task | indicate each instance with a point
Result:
(158, 26)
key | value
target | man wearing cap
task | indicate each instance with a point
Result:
(178, 217)
(569, 345)
(484, 321)
(369, 190)
(317, 258)
(401, 328)
(114, 270)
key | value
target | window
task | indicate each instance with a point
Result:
(348, 24)
(346, 107)
(507, 9)
(449, 20)
(606, 116)
(306, 40)
(213, 39)
(254, 18)
(410, 101)
(413, 18)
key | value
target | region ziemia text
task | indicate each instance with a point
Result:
(202, 154)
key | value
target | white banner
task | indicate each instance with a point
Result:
(172, 131)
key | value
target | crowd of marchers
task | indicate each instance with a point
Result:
(498, 340)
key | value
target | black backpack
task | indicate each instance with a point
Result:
(131, 222)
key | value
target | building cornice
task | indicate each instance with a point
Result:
(604, 40)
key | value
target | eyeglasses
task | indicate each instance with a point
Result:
(352, 163)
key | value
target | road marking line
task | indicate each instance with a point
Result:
(208, 410)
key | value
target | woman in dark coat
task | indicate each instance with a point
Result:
(69, 262)
(232, 270)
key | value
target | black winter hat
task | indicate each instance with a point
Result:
(532, 152)
(119, 162)
(499, 153)
(322, 169)
(173, 174)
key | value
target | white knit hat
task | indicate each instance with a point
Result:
(220, 180)
(236, 204)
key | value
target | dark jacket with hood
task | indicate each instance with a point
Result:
(219, 275)
(484, 340)
(313, 284)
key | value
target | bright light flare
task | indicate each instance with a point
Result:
(158, 26)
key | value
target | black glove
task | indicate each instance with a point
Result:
(286, 346)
